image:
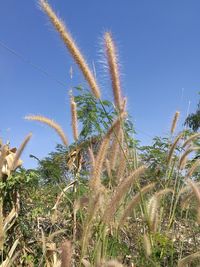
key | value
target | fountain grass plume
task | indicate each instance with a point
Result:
(121, 167)
(133, 203)
(174, 122)
(173, 147)
(94, 204)
(153, 207)
(3, 154)
(183, 158)
(108, 168)
(193, 168)
(147, 245)
(191, 139)
(19, 151)
(66, 254)
(120, 191)
(91, 155)
(111, 54)
(51, 124)
(185, 261)
(72, 47)
(152, 210)
(74, 118)
(115, 147)
(195, 190)
(95, 181)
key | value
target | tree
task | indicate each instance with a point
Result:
(193, 120)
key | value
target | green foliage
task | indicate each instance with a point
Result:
(155, 155)
(117, 248)
(93, 114)
(47, 205)
(96, 116)
(20, 179)
(162, 247)
(193, 119)
(52, 169)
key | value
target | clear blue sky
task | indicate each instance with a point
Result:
(159, 45)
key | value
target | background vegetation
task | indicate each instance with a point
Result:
(102, 200)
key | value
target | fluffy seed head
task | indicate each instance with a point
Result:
(185, 154)
(95, 182)
(195, 190)
(133, 203)
(191, 139)
(74, 118)
(120, 191)
(111, 55)
(20, 150)
(72, 47)
(3, 153)
(147, 245)
(173, 147)
(185, 261)
(153, 213)
(66, 254)
(51, 124)
(174, 122)
(193, 168)
(91, 155)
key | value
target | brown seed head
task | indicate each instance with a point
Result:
(111, 54)
(51, 124)
(66, 254)
(174, 122)
(74, 118)
(72, 47)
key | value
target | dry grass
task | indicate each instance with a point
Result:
(121, 211)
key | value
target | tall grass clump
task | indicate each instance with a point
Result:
(102, 200)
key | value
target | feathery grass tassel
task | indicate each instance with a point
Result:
(173, 147)
(72, 47)
(3, 153)
(153, 213)
(51, 124)
(174, 122)
(91, 155)
(93, 208)
(121, 190)
(183, 158)
(193, 168)
(19, 151)
(153, 207)
(185, 261)
(115, 147)
(147, 245)
(111, 54)
(66, 254)
(134, 202)
(74, 118)
(191, 139)
(95, 181)
(108, 168)
(121, 167)
(195, 190)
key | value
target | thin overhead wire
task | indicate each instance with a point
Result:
(46, 73)
(27, 61)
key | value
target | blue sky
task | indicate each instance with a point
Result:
(159, 52)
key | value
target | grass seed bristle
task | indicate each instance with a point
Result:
(51, 124)
(111, 54)
(72, 47)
